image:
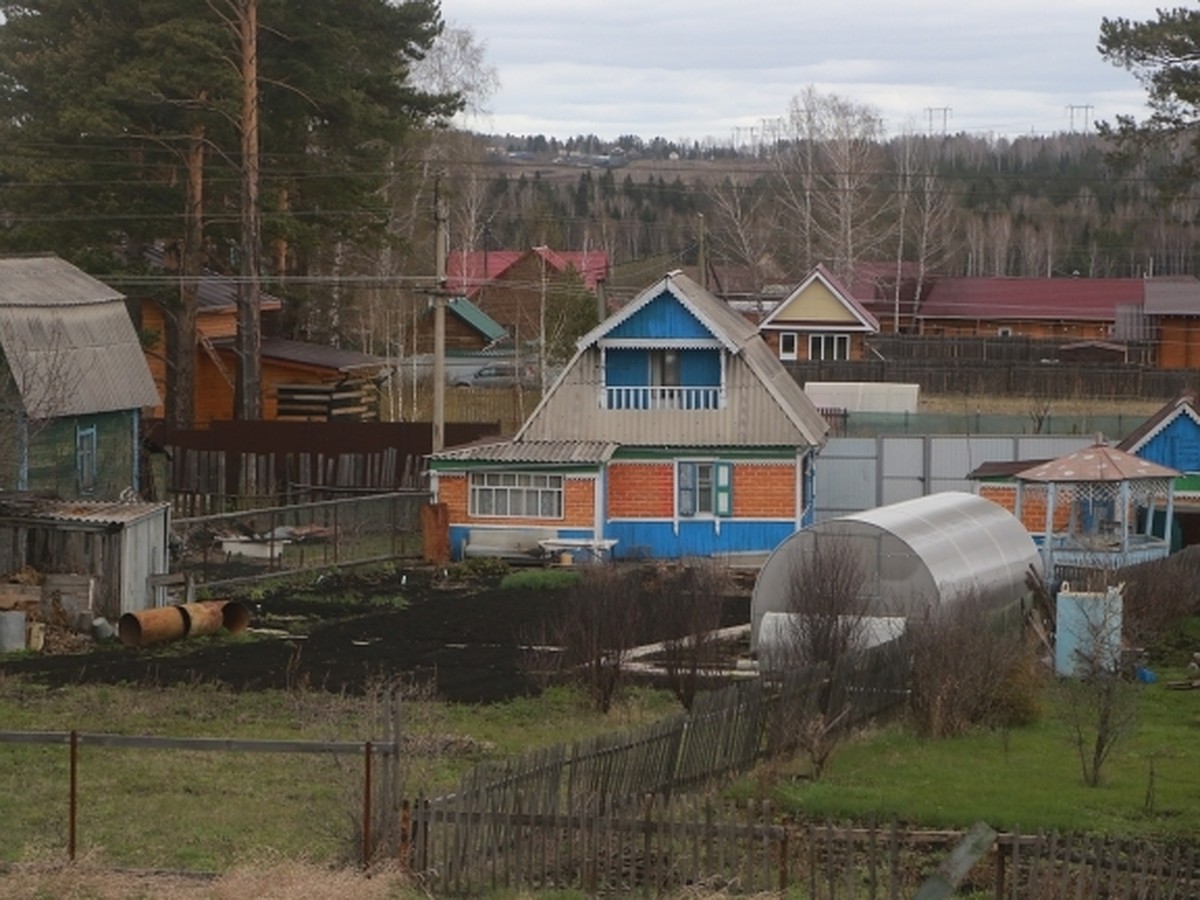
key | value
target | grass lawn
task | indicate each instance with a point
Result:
(214, 810)
(1027, 778)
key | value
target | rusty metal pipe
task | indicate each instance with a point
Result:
(151, 626)
(236, 616)
(170, 623)
(203, 618)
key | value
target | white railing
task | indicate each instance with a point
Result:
(663, 397)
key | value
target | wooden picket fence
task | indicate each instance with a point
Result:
(693, 846)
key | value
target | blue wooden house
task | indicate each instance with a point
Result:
(1171, 438)
(673, 432)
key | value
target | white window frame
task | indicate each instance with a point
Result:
(86, 458)
(819, 343)
(495, 495)
(703, 489)
(789, 337)
(1004, 331)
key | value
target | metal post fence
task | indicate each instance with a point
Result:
(74, 739)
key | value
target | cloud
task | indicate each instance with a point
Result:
(673, 68)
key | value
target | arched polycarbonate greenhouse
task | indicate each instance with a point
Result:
(914, 556)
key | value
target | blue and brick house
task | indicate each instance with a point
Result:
(673, 432)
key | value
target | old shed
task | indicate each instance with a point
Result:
(120, 545)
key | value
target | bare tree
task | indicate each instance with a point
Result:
(969, 668)
(1098, 703)
(746, 224)
(687, 606)
(826, 602)
(36, 380)
(830, 166)
(598, 625)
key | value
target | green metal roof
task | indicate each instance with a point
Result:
(477, 319)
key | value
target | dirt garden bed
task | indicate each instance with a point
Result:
(344, 634)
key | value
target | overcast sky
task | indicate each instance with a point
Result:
(701, 68)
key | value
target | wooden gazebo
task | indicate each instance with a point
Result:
(1098, 506)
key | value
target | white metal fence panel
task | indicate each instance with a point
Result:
(854, 474)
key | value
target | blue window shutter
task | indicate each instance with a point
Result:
(723, 489)
(687, 489)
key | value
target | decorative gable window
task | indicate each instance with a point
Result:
(85, 459)
(828, 346)
(704, 488)
(516, 495)
(787, 345)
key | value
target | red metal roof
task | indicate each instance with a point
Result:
(1031, 298)
(468, 270)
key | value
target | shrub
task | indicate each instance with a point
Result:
(541, 579)
(969, 669)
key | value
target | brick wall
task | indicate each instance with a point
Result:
(578, 501)
(641, 490)
(764, 491)
(1033, 507)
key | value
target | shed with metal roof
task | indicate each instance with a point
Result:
(121, 545)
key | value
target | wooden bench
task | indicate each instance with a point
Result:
(511, 544)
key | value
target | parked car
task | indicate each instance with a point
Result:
(501, 375)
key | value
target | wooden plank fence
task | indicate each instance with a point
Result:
(693, 845)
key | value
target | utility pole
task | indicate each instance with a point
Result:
(440, 252)
(945, 113)
(702, 253)
(1086, 109)
(541, 324)
(247, 399)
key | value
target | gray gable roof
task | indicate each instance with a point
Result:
(765, 407)
(68, 341)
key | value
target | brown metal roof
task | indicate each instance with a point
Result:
(1095, 299)
(321, 355)
(1099, 462)
(1183, 404)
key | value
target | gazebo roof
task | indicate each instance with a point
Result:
(1098, 463)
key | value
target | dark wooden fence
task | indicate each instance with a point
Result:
(1050, 380)
(1014, 349)
(241, 465)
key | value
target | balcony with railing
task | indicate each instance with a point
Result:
(663, 397)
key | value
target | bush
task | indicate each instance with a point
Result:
(970, 669)
(541, 579)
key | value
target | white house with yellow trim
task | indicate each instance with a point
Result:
(819, 320)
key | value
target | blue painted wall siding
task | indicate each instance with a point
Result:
(700, 368)
(1177, 446)
(662, 318)
(626, 368)
(631, 368)
(658, 540)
